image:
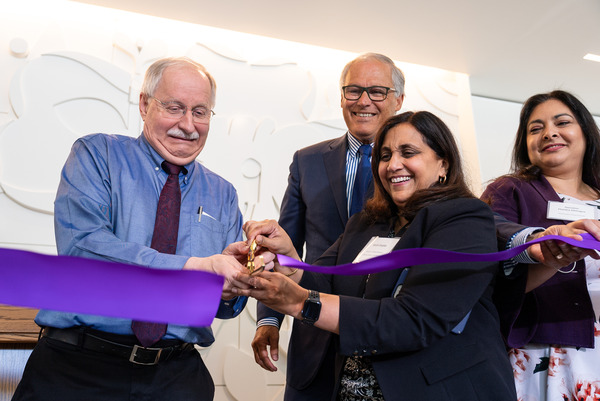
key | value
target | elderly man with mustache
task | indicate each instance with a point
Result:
(115, 203)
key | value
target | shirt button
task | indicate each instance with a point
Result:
(156, 168)
(374, 352)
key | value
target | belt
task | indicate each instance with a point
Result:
(134, 353)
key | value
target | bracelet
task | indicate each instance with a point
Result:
(563, 272)
(289, 274)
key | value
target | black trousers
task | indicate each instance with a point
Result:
(60, 371)
(321, 388)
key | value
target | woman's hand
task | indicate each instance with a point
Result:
(273, 289)
(558, 254)
(554, 255)
(282, 294)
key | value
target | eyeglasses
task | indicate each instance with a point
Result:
(176, 110)
(375, 93)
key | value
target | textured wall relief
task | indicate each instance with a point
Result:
(56, 98)
(257, 129)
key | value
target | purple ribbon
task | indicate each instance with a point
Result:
(420, 256)
(185, 297)
(96, 287)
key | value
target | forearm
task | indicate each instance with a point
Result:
(329, 319)
(196, 263)
(538, 274)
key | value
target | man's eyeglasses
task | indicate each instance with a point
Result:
(176, 110)
(375, 93)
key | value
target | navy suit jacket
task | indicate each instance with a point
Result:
(314, 208)
(314, 212)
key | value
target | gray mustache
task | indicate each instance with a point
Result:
(177, 133)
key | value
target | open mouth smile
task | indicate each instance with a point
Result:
(364, 114)
(396, 180)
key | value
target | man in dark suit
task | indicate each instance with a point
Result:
(315, 208)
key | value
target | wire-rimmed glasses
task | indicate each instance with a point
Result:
(176, 110)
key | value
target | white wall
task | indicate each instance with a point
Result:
(496, 123)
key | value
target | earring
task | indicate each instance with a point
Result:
(442, 179)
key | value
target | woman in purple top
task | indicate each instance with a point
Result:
(548, 315)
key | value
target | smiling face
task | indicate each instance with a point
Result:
(555, 141)
(178, 141)
(363, 116)
(407, 163)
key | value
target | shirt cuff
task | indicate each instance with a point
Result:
(231, 308)
(520, 238)
(268, 321)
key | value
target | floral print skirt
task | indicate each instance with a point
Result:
(555, 373)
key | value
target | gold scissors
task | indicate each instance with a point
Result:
(252, 265)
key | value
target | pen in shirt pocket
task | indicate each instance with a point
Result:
(201, 213)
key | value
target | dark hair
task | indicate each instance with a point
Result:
(521, 166)
(439, 138)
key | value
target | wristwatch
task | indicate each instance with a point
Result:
(312, 308)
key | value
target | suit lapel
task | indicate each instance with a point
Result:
(544, 188)
(335, 166)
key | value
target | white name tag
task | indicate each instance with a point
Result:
(376, 246)
(570, 211)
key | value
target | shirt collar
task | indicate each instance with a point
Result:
(156, 158)
(354, 144)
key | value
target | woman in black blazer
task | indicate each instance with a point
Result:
(432, 334)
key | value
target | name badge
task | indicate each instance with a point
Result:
(570, 211)
(376, 246)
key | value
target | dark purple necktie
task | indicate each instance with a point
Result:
(164, 240)
(362, 180)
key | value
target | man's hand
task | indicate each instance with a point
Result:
(266, 336)
(269, 234)
(239, 250)
(223, 265)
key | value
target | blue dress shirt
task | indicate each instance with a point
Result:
(105, 208)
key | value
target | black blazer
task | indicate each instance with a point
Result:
(408, 337)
